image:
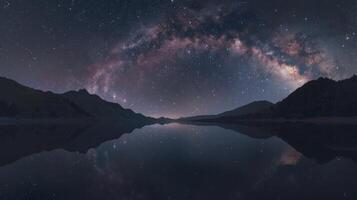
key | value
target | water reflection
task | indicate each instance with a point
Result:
(320, 142)
(178, 162)
(17, 141)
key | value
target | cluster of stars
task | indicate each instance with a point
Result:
(176, 58)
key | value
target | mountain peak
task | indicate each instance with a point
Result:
(83, 91)
(261, 102)
(2, 78)
(80, 92)
(321, 97)
(324, 79)
(7, 81)
(321, 80)
(21, 101)
(353, 78)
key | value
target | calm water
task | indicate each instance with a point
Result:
(180, 162)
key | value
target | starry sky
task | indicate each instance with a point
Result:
(177, 57)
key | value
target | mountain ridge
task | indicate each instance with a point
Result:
(253, 107)
(21, 101)
(101, 108)
(320, 98)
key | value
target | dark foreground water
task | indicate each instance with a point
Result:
(177, 162)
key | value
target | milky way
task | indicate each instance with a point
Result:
(177, 58)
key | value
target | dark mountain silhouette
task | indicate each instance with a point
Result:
(99, 108)
(23, 102)
(252, 108)
(317, 99)
(19, 101)
(322, 97)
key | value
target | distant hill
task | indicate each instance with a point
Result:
(18, 101)
(320, 98)
(252, 108)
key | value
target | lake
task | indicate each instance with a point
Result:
(177, 162)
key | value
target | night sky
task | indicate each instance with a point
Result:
(177, 57)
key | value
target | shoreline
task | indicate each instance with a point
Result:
(316, 120)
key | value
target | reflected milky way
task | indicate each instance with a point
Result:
(179, 162)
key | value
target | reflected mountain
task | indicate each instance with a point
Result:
(322, 143)
(18, 141)
(169, 162)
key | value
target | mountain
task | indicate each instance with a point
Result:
(252, 108)
(320, 98)
(99, 108)
(23, 102)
